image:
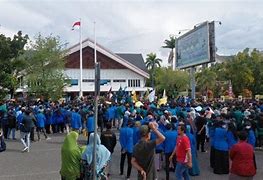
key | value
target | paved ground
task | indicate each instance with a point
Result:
(43, 162)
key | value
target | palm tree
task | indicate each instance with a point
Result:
(151, 62)
(170, 43)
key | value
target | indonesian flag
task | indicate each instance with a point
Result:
(76, 24)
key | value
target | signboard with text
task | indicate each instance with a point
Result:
(196, 47)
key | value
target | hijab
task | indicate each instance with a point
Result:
(102, 153)
(70, 155)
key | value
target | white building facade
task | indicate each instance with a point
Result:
(127, 71)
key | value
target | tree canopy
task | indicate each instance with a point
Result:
(172, 81)
(244, 71)
(10, 63)
(45, 65)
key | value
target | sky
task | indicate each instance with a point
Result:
(136, 26)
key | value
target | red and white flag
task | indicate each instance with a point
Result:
(76, 24)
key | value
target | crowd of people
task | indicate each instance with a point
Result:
(152, 137)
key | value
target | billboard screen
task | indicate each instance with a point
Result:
(196, 46)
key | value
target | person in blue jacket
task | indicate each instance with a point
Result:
(90, 123)
(126, 141)
(231, 135)
(76, 123)
(136, 132)
(169, 145)
(194, 171)
(221, 165)
(48, 115)
(251, 134)
(212, 125)
(40, 117)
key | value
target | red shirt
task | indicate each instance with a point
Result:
(242, 158)
(182, 146)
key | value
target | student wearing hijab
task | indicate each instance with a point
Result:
(221, 156)
(70, 156)
(102, 158)
(194, 171)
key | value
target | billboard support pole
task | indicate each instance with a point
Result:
(192, 75)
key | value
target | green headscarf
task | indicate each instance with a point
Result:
(70, 156)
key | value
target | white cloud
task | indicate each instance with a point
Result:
(137, 26)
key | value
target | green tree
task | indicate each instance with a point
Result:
(45, 65)
(170, 44)
(240, 73)
(10, 63)
(256, 64)
(172, 81)
(151, 63)
(206, 79)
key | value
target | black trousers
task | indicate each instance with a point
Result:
(41, 130)
(123, 157)
(32, 134)
(167, 163)
(61, 127)
(260, 141)
(200, 139)
(54, 128)
(47, 127)
(5, 130)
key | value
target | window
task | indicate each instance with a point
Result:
(134, 83)
(87, 80)
(119, 80)
(104, 82)
(74, 82)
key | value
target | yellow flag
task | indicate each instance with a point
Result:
(162, 101)
(134, 96)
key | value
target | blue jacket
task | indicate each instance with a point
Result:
(57, 118)
(251, 138)
(19, 119)
(136, 135)
(170, 141)
(220, 139)
(193, 142)
(162, 127)
(125, 121)
(111, 111)
(40, 120)
(231, 139)
(160, 147)
(90, 124)
(48, 118)
(126, 139)
(75, 120)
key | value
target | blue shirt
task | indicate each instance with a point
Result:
(40, 120)
(126, 139)
(220, 139)
(170, 141)
(90, 124)
(75, 120)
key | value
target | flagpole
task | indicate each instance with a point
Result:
(96, 96)
(80, 59)
(95, 44)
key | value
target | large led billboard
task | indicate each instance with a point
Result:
(196, 46)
